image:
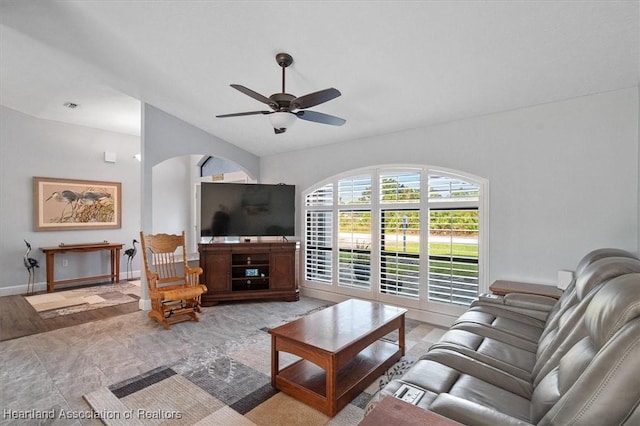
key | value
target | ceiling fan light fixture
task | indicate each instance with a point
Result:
(282, 120)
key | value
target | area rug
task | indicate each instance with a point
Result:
(229, 384)
(50, 305)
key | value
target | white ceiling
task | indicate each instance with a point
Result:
(398, 64)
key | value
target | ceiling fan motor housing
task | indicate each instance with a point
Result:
(283, 100)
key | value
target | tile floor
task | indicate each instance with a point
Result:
(53, 370)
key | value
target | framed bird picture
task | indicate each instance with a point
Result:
(71, 204)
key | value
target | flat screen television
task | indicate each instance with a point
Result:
(246, 210)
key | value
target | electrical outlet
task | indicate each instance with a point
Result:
(65, 262)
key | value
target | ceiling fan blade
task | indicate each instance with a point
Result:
(255, 95)
(315, 98)
(320, 117)
(239, 114)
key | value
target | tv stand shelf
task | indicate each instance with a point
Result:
(242, 271)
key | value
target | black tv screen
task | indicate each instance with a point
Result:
(242, 210)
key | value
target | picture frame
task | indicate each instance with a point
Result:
(74, 204)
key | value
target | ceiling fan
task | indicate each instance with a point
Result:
(286, 107)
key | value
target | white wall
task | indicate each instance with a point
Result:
(34, 147)
(563, 177)
(165, 137)
(172, 190)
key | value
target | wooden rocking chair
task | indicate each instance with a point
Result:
(173, 286)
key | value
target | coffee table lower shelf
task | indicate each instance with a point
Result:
(307, 382)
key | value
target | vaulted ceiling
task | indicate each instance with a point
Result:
(398, 64)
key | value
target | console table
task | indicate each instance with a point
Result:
(50, 252)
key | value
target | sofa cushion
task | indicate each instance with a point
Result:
(607, 390)
(557, 382)
(523, 326)
(472, 413)
(589, 378)
(612, 308)
(486, 394)
(481, 341)
(508, 320)
(509, 358)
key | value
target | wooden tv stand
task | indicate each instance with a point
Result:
(243, 271)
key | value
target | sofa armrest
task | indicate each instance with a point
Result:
(468, 412)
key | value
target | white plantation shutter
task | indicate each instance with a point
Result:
(400, 252)
(410, 234)
(355, 249)
(453, 240)
(318, 246)
(354, 232)
(319, 235)
(322, 196)
(400, 233)
(400, 187)
(354, 190)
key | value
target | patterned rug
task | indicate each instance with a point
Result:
(229, 384)
(50, 305)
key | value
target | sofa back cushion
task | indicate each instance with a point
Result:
(585, 274)
(595, 381)
(560, 335)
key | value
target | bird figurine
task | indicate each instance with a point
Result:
(131, 253)
(30, 263)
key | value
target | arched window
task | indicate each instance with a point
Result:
(409, 234)
(212, 166)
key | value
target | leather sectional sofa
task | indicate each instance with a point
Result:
(524, 359)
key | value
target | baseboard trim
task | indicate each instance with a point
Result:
(42, 286)
(21, 289)
(144, 304)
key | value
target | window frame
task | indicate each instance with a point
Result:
(337, 292)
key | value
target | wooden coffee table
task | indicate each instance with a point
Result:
(341, 352)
